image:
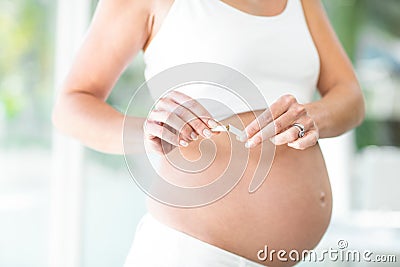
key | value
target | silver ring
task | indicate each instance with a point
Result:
(301, 129)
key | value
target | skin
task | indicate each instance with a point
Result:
(291, 209)
(301, 206)
(107, 51)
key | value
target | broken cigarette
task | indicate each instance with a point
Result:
(228, 128)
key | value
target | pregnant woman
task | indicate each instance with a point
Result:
(288, 49)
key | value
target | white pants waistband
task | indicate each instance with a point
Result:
(157, 245)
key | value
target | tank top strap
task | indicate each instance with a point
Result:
(295, 9)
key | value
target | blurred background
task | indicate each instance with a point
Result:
(64, 205)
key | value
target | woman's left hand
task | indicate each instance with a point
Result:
(277, 125)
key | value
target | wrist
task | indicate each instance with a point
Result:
(317, 112)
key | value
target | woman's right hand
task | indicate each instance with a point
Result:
(176, 120)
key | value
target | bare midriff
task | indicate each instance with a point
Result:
(291, 210)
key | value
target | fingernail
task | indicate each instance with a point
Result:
(212, 123)
(249, 144)
(194, 136)
(183, 143)
(241, 138)
(272, 140)
(207, 133)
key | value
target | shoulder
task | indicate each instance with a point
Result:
(118, 17)
(336, 67)
(147, 7)
(314, 12)
(128, 5)
(126, 9)
(312, 5)
(129, 11)
(319, 24)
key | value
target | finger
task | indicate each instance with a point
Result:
(287, 119)
(185, 131)
(256, 125)
(279, 107)
(154, 145)
(288, 136)
(193, 106)
(264, 134)
(291, 134)
(158, 146)
(163, 133)
(196, 123)
(309, 139)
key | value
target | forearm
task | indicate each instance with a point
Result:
(338, 111)
(97, 125)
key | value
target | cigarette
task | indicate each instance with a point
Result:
(228, 128)
(220, 128)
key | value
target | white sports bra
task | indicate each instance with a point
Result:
(276, 53)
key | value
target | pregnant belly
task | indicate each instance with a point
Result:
(290, 210)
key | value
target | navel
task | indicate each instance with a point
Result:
(322, 199)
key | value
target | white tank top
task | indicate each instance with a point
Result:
(276, 53)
